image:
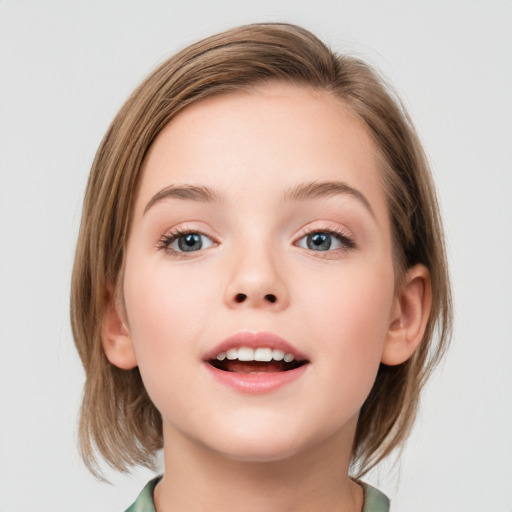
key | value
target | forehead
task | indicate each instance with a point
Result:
(269, 139)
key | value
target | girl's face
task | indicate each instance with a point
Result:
(261, 223)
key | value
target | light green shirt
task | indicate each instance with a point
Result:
(374, 500)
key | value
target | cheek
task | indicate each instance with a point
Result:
(166, 315)
(349, 316)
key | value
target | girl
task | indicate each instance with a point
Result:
(258, 279)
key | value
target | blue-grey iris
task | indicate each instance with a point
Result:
(319, 241)
(190, 242)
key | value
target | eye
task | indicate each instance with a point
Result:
(326, 240)
(185, 241)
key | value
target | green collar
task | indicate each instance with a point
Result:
(374, 500)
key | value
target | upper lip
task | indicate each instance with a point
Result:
(252, 339)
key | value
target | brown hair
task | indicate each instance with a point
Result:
(118, 419)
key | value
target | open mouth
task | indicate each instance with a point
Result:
(250, 361)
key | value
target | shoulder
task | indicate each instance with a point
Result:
(374, 500)
(144, 502)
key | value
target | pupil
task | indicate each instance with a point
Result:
(319, 241)
(190, 242)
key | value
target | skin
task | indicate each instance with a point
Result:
(289, 449)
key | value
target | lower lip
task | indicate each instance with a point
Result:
(258, 383)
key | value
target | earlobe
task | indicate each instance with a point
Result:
(409, 316)
(115, 337)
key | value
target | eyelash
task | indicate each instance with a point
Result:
(346, 239)
(170, 237)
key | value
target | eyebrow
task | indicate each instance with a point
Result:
(187, 192)
(301, 192)
(325, 189)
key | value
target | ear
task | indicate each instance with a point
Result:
(115, 337)
(409, 316)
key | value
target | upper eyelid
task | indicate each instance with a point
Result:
(189, 227)
(339, 230)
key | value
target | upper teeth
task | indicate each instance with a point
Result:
(258, 354)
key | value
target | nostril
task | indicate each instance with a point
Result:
(240, 297)
(271, 297)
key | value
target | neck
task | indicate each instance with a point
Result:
(197, 478)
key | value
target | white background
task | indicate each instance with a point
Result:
(65, 69)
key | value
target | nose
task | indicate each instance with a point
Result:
(257, 280)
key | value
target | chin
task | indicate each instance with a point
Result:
(260, 454)
(263, 445)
